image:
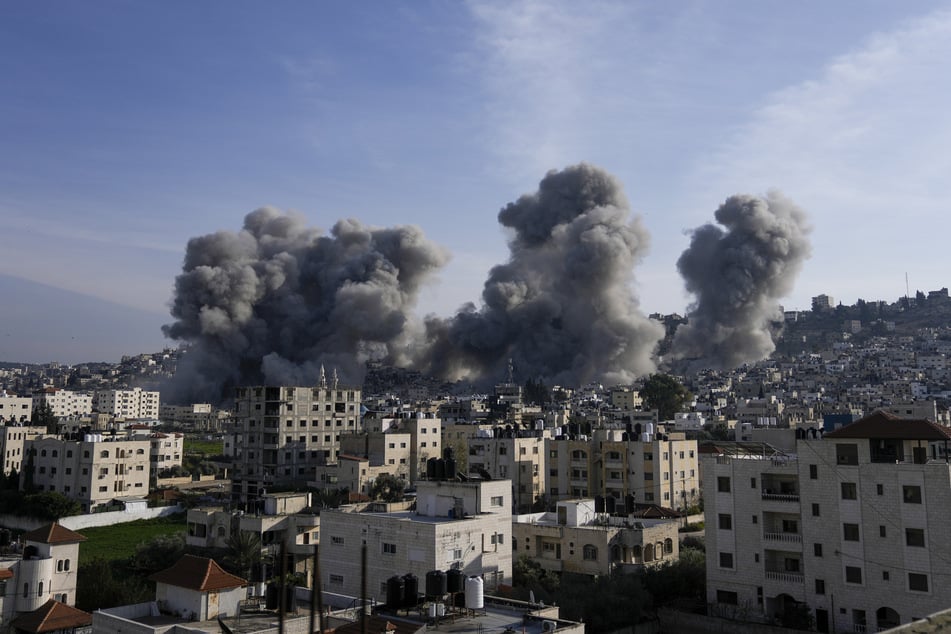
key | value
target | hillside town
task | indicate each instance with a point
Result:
(815, 481)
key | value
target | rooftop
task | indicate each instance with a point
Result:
(881, 424)
(198, 573)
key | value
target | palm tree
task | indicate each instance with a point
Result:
(244, 552)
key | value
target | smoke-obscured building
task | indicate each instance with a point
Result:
(282, 434)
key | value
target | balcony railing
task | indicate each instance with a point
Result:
(789, 538)
(781, 497)
(785, 577)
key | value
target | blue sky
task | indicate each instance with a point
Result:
(128, 127)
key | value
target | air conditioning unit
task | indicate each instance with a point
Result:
(549, 626)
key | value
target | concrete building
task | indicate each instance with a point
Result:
(654, 468)
(165, 451)
(64, 403)
(456, 525)
(41, 577)
(196, 417)
(853, 525)
(280, 518)
(128, 404)
(93, 471)
(282, 434)
(15, 409)
(578, 539)
(13, 439)
(505, 455)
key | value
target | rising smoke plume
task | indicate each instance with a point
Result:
(273, 302)
(562, 308)
(738, 275)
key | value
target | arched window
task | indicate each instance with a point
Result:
(39, 589)
(140, 451)
(26, 590)
(668, 546)
(637, 553)
(589, 552)
(221, 531)
(122, 453)
(43, 453)
(66, 565)
(59, 565)
(104, 454)
(659, 550)
(648, 552)
(616, 553)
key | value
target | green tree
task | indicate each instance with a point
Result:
(529, 576)
(244, 553)
(101, 584)
(48, 505)
(387, 487)
(665, 394)
(158, 553)
(43, 416)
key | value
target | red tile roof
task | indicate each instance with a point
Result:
(198, 573)
(883, 425)
(5, 573)
(53, 534)
(50, 617)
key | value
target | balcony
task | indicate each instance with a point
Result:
(786, 538)
(781, 497)
(785, 577)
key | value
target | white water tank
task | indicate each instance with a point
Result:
(475, 594)
(650, 428)
(440, 609)
(431, 611)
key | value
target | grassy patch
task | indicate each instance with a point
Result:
(118, 543)
(207, 447)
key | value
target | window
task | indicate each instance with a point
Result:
(820, 586)
(790, 526)
(850, 532)
(848, 491)
(847, 454)
(336, 580)
(725, 521)
(496, 500)
(336, 540)
(853, 574)
(813, 472)
(911, 494)
(880, 489)
(726, 560)
(756, 519)
(881, 531)
(917, 582)
(815, 509)
(727, 597)
(389, 549)
(817, 550)
(589, 552)
(915, 537)
(752, 483)
(723, 484)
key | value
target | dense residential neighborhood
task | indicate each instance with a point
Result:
(815, 481)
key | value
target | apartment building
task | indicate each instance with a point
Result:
(196, 417)
(13, 439)
(64, 403)
(456, 525)
(507, 455)
(128, 404)
(15, 409)
(852, 524)
(579, 539)
(165, 451)
(655, 468)
(93, 471)
(280, 518)
(282, 434)
(425, 432)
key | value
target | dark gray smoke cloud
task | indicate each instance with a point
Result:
(562, 308)
(738, 275)
(273, 302)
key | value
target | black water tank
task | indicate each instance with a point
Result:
(625, 436)
(440, 469)
(431, 468)
(637, 429)
(629, 504)
(448, 453)
(435, 584)
(450, 468)
(410, 590)
(598, 504)
(610, 504)
(455, 581)
(395, 589)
